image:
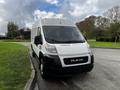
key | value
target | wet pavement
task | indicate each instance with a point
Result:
(104, 76)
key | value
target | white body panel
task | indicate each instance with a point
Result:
(71, 49)
(56, 22)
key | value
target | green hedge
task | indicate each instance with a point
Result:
(105, 39)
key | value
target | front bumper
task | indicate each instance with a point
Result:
(54, 66)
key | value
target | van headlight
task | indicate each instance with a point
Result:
(50, 49)
(90, 51)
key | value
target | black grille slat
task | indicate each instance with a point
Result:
(75, 60)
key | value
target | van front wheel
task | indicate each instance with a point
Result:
(43, 70)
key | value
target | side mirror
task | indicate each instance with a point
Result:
(38, 40)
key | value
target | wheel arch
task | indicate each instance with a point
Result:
(41, 55)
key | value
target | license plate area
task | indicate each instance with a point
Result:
(75, 60)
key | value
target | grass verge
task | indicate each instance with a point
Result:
(14, 66)
(95, 44)
(15, 40)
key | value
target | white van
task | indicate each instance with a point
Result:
(60, 48)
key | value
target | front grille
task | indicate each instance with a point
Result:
(76, 60)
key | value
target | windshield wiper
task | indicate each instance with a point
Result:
(53, 40)
(71, 41)
(74, 41)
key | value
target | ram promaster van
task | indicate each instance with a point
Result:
(60, 48)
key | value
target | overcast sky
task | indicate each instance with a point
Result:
(24, 12)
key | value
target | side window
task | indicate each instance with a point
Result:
(39, 33)
(38, 37)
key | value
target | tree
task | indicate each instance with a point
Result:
(102, 22)
(27, 33)
(87, 27)
(113, 14)
(115, 31)
(12, 30)
(24, 33)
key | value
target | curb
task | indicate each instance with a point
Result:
(31, 82)
(103, 48)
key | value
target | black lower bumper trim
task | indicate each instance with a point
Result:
(54, 67)
(70, 70)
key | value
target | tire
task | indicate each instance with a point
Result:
(33, 54)
(43, 70)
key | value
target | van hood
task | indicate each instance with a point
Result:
(72, 49)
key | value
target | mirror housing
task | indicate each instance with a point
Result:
(38, 40)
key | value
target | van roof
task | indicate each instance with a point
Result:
(56, 22)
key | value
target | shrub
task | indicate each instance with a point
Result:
(105, 39)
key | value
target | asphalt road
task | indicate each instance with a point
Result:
(105, 75)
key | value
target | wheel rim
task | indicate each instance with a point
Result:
(41, 68)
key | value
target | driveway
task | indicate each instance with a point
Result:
(105, 75)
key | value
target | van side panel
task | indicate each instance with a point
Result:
(33, 34)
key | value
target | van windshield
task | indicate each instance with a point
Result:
(62, 34)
